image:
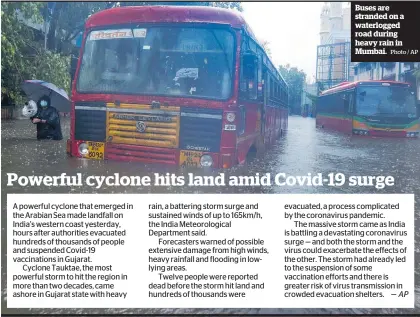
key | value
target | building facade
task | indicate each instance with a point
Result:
(333, 53)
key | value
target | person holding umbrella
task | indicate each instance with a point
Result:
(47, 117)
(47, 120)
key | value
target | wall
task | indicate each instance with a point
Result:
(374, 73)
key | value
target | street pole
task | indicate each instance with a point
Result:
(45, 35)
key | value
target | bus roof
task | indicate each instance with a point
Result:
(179, 14)
(350, 85)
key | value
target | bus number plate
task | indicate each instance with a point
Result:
(96, 150)
(190, 158)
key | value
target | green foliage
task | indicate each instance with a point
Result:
(313, 98)
(23, 57)
(52, 68)
(295, 78)
(266, 46)
(417, 73)
(67, 21)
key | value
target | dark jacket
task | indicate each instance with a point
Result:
(51, 129)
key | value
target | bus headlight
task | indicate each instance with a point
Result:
(83, 149)
(412, 134)
(206, 161)
(230, 117)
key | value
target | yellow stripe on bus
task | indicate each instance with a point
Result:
(138, 135)
(144, 142)
(133, 128)
(363, 125)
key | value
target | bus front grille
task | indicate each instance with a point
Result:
(201, 129)
(90, 122)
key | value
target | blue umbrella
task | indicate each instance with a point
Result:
(35, 89)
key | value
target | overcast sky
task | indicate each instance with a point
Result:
(292, 28)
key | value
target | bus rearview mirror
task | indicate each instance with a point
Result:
(249, 64)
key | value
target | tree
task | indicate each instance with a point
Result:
(23, 57)
(417, 74)
(67, 21)
(296, 80)
(266, 46)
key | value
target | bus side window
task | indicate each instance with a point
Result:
(271, 87)
(340, 102)
(324, 105)
(242, 122)
(249, 75)
(345, 102)
(260, 85)
(351, 103)
(332, 103)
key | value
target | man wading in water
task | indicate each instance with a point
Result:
(47, 120)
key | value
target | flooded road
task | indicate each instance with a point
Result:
(303, 150)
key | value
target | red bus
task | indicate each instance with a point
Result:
(370, 108)
(189, 86)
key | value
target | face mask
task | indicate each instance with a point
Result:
(44, 103)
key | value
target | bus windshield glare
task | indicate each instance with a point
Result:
(171, 61)
(385, 100)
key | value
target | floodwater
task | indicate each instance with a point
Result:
(303, 150)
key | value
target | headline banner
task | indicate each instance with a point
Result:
(267, 179)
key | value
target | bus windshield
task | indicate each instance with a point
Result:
(385, 100)
(172, 61)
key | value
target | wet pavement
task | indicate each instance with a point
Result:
(303, 150)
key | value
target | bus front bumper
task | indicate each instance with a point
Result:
(149, 155)
(386, 133)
